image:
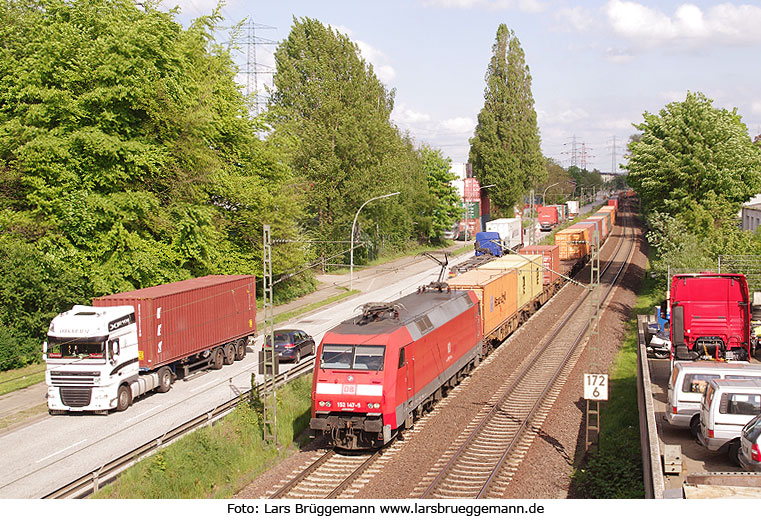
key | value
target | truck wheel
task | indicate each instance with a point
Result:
(218, 359)
(165, 380)
(240, 349)
(229, 353)
(123, 398)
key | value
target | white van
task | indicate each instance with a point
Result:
(689, 380)
(726, 408)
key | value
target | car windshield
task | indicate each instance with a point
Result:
(352, 357)
(280, 338)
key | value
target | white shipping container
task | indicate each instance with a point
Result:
(573, 208)
(510, 231)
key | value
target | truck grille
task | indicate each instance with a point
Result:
(76, 397)
(73, 378)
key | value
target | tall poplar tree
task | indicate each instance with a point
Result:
(504, 150)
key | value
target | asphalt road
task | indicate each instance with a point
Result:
(48, 453)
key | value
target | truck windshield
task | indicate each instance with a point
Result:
(352, 357)
(76, 349)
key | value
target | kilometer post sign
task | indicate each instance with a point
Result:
(596, 386)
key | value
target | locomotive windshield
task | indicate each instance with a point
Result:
(352, 357)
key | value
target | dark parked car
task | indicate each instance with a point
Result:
(292, 344)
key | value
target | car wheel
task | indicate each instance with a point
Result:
(123, 398)
(218, 359)
(165, 380)
(229, 353)
(734, 451)
(695, 426)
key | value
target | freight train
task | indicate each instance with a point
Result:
(377, 372)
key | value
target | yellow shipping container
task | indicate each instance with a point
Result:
(495, 291)
(573, 243)
(530, 274)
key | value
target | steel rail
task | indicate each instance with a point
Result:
(522, 375)
(552, 381)
(90, 482)
(285, 489)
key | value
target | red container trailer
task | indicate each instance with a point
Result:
(550, 260)
(547, 217)
(710, 317)
(180, 319)
(101, 357)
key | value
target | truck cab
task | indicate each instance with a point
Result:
(90, 353)
(488, 243)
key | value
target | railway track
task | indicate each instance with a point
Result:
(483, 460)
(326, 477)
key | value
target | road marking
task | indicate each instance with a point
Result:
(203, 386)
(142, 414)
(62, 450)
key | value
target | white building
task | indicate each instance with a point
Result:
(751, 217)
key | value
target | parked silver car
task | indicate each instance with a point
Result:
(750, 445)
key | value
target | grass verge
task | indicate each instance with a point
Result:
(217, 461)
(12, 380)
(615, 469)
(288, 315)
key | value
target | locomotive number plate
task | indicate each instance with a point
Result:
(344, 404)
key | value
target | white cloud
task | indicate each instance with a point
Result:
(459, 125)
(755, 107)
(526, 6)
(406, 116)
(618, 56)
(578, 18)
(379, 60)
(690, 27)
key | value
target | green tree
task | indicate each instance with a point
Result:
(557, 178)
(694, 157)
(330, 115)
(446, 200)
(505, 149)
(126, 150)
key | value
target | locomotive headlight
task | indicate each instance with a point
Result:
(328, 404)
(321, 403)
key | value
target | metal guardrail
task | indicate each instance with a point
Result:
(648, 428)
(108, 472)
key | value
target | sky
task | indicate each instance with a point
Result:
(596, 66)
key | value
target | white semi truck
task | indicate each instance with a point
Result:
(102, 357)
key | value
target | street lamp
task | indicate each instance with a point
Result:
(353, 225)
(548, 188)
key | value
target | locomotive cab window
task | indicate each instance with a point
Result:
(351, 357)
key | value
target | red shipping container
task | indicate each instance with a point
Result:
(177, 320)
(550, 260)
(613, 202)
(471, 190)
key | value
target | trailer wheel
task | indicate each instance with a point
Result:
(734, 451)
(218, 359)
(240, 349)
(123, 398)
(229, 353)
(165, 380)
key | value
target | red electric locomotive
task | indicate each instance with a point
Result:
(374, 372)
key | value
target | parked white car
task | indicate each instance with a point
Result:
(689, 381)
(726, 408)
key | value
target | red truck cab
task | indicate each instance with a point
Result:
(710, 317)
